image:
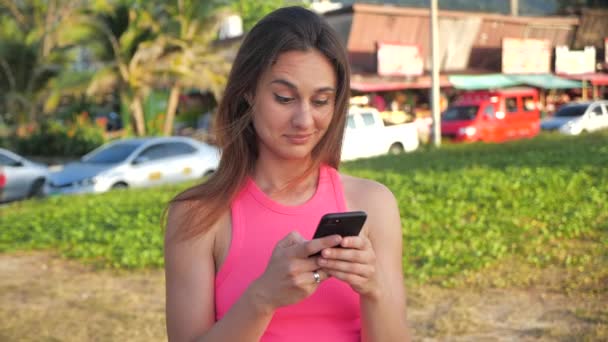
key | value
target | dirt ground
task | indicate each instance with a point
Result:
(46, 298)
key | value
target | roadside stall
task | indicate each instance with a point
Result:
(553, 90)
(596, 82)
(400, 99)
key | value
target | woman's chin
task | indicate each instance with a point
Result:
(294, 154)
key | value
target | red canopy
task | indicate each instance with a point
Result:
(372, 83)
(595, 79)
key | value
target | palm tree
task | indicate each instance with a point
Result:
(114, 33)
(190, 59)
(31, 56)
(142, 46)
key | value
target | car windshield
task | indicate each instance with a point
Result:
(114, 153)
(571, 111)
(459, 113)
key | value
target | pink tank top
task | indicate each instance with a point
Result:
(332, 313)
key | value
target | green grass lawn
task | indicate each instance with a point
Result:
(463, 208)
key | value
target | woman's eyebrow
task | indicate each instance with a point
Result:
(294, 87)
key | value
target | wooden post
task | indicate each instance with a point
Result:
(435, 110)
(584, 90)
(596, 93)
(515, 8)
(542, 97)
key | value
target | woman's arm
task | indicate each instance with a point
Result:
(190, 279)
(371, 262)
(384, 316)
(190, 297)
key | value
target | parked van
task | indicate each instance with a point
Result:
(495, 116)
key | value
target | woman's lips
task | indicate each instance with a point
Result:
(298, 139)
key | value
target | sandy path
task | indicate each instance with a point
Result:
(44, 297)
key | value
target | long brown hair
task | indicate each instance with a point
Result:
(286, 29)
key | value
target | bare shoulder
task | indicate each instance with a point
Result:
(367, 194)
(177, 217)
(376, 200)
(182, 216)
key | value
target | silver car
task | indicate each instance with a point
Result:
(19, 177)
(137, 162)
(578, 117)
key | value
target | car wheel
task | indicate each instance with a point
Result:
(37, 189)
(396, 148)
(119, 185)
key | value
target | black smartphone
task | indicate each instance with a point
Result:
(347, 223)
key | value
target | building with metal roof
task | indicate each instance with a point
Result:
(471, 45)
(469, 41)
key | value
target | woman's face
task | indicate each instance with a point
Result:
(294, 104)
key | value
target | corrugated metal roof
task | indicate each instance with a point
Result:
(592, 30)
(467, 40)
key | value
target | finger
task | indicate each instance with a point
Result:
(303, 265)
(291, 239)
(350, 278)
(349, 255)
(316, 245)
(363, 270)
(308, 278)
(355, 242)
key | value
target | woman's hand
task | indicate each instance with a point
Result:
(355, 264)
(289, 276)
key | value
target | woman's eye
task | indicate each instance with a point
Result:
(282, 99)
(320, 102)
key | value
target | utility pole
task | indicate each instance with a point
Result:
(515, 8)
(435, 75)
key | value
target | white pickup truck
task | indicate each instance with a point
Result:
(367, 135)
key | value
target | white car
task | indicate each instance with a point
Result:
(20, 178)
(137, 162)
(367, 135)
(576, 118)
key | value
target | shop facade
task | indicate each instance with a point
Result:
(389, 51)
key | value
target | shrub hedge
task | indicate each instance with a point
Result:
(463, 207)
(53, 138)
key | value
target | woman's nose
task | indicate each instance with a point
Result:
(302, 117)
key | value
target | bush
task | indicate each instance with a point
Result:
(53, 138)
(463, 208)
(6, 143)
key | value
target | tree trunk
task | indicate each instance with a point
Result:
(138, 116)
(171, 109)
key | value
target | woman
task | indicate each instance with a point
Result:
(237, 247)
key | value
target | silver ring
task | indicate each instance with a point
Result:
(317, 277)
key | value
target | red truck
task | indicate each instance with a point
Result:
(492, 116)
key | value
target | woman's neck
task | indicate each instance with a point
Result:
(286, 181)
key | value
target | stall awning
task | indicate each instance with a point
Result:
(595, 79)
(477, 82)
(547, 81)
(372, 83)
(365, 83)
